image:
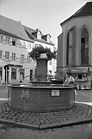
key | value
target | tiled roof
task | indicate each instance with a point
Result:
(14, 28)
(46, 35)
(85, 10)
(29, 29)
(31, 33)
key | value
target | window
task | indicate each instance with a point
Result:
(0, 54)
(79, 76)
(39, 35)
(24, 45)
(14, 56)
(6, 55)
(82, 40)
(22, 74)
(22, 58)
(48, 38)
(13, 73)
(20, 44)
(0, 37)
(3, 39)
(69, 49)
(50, 71)
(28, 58)
(0, 73)
(17, 43)
(84, 47)
(50, 62)
(7, 39)
(10, 40)
(31, 74)
(13, 41)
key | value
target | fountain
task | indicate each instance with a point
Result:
(41, 95)
(43, 104)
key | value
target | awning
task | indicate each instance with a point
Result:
(76, 70)
(79, 71)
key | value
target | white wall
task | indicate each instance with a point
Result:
(18, 50)
(79, 22)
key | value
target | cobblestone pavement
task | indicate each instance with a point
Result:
(81, 113)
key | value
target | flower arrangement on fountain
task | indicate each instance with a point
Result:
(41, 52)
(42, 56)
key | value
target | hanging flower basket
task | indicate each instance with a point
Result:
(41, 52)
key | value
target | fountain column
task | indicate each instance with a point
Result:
(41, 70)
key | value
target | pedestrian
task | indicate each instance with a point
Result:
(69, 80)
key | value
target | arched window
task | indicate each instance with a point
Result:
(84, 47)
(69, 48)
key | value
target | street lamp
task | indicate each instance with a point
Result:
(6, 68)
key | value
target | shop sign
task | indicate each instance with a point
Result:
(43, 55)
(55, 93)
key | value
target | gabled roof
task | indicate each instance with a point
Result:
(14, 28)
(29, 29)
(85, 10)
(46, 35)
(31, 33)
(39, 31)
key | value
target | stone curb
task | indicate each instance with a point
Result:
(81, 115)
(42, 127)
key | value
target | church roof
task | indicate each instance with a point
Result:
(85, 10)
(14, 28)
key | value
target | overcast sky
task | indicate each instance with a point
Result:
(43, 14)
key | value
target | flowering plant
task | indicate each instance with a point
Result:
(38, 50)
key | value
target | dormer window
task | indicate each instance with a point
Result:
(48, 38)
(39, 35)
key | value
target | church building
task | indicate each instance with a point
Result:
(75, 46)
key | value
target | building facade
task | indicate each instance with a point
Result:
(75, 46)
(13, 52)
(45, 41)
(16, 41)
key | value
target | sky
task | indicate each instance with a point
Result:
(45, 15)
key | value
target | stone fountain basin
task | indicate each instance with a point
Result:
(41, 97)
